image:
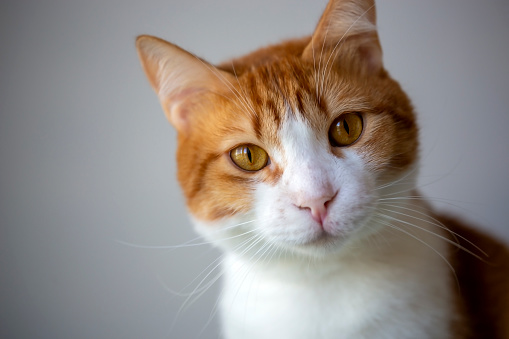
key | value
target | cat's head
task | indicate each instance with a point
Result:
(292, 146)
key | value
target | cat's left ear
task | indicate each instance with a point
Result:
(180, 79)
(347, 27)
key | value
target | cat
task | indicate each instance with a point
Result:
(299, 161)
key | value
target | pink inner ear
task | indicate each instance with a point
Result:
(371, 54)
(178, 107)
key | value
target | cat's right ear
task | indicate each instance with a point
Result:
(178, 77)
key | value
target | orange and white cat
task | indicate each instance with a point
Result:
(300, 160)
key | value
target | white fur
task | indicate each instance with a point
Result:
(396, 291)
(372, 276)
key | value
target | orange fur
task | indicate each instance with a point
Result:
(483, 291)
(245, 101)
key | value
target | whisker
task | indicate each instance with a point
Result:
(228, 84)
(388, 224)
(190, 242)
(245, 96)
(421, 198)
(433, 233)
(321, 55)
(246, 273)
(199, 291)
(314, 68)
(396, 182)
(326, 69)
(444, 201)
(441, 225)
(412, 171)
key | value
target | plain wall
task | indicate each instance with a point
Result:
(87, 157)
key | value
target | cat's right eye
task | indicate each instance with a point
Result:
(345, 130)
(249, 157)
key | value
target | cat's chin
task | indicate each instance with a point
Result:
(321, 245)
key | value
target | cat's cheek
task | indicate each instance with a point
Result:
(353, 206)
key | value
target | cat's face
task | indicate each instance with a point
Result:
(292, 150)
(311, 193)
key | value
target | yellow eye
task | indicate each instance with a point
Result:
(249, 157)
(345, 130)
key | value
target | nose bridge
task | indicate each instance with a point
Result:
(308, 179)
(306, 176)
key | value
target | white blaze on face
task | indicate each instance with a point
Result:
(319, 194)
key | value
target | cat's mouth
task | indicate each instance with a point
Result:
(332, 237)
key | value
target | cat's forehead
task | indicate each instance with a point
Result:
(282, 88)
(275, 94)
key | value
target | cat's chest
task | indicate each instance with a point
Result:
(359, 304)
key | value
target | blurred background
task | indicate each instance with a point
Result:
(87, 157)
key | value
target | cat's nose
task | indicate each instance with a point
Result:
(318, 206)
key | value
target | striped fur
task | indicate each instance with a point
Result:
(382, 268)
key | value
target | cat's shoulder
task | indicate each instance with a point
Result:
(483, 280)
(469, 236)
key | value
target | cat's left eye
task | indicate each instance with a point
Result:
(345, 130)
(249, 157)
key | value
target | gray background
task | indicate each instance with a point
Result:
(87, 157)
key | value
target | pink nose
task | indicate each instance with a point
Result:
(317, 207)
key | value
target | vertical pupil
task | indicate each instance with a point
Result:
(250, 157)
(345, 125)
